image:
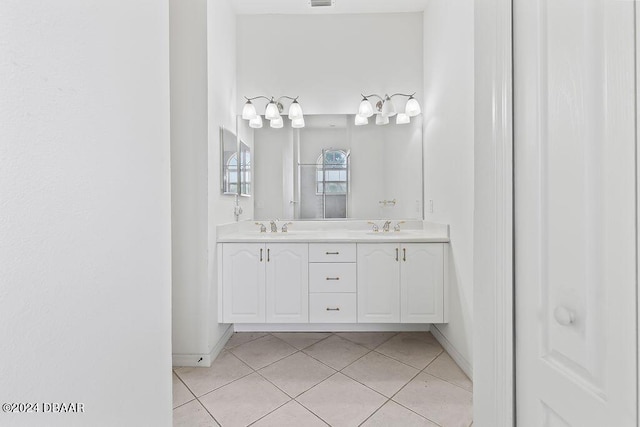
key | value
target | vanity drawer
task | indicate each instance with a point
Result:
(332, 308)
(332, 277)
(332, 252)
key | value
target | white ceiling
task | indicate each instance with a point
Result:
(300, 7)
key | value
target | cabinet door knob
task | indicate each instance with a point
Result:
(564, 316)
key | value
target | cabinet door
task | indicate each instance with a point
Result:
(243, 284)
(378, 283)
(422, 282)
(287, 283)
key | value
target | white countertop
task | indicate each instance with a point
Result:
(330, 231)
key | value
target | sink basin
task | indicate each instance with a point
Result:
(387, 233)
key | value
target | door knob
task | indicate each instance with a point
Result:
(564, 316)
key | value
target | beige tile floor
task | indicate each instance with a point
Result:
(317, 379)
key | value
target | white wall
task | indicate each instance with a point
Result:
(203, 82)
(85, 253)
(221, 48)
(329, 60)
(189, 172)
(448, 112)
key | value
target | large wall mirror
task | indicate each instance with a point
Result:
(236, 161)
(332, 169)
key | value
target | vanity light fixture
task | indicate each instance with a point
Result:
(381, 119)
(361, 120)
(384, 109)
(273, 112)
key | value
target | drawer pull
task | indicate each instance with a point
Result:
(333, 278)
(332, 253)
(333, 309)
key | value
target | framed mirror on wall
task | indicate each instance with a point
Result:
(235, 164)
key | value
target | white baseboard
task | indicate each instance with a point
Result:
(466, 367)
(329, 327)
(203, 360)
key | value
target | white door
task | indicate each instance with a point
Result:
(243, 282)
(422, 282)
(378, 282)
(575, 213)
(287, 285)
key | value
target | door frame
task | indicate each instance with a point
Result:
(493, 373)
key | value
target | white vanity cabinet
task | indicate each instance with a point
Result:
(265, 282)
(324, 282)
(401, 283)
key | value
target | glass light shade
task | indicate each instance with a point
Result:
(412, 108)
(381, 119)
(366, 109)
(277, 123)
(297, 123)
(361, 120)
(388, 110)
(295, 111)
(402, 119)
(256, 122)
(249, 111)
(272, 111)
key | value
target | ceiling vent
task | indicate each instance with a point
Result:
(321, 3)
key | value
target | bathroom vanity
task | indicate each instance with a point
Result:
(324, 272)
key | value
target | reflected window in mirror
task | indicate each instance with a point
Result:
(245, 170)
(332, 172)
(230, 178)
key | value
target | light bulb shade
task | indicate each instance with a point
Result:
(402, 119)
(256, 122)
(366, 109)
(361, 120)
(388, 109)
(295, 110)
(272, 111)
(381, 119)
(297, 123)
(277, 123)
(412, 108)
(249, 111)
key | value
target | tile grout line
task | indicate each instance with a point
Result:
(309, 409)
(443, 379)
(230, 382)
(252, 340)
(413, 378)
(208, 412)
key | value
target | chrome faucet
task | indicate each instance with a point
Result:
(375, 227)
(263, 229)
(285, 227)
(386, 225)
(397, 226)
(274, 226)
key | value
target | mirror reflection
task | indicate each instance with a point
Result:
(235, 159)
(332, 169)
